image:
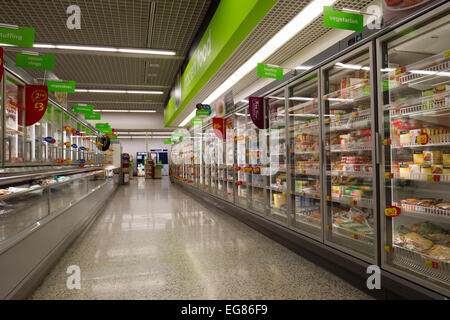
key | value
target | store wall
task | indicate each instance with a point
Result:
(133, 146)
(133, 120)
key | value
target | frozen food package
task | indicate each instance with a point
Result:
(432, 156)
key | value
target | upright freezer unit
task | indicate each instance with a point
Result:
(350, 176)
(414, 106)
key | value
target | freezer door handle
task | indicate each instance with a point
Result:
(378, 147)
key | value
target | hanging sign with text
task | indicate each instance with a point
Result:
(342, 20)
(19, 37)
(61, 86)
(256, 109)
(36, 102)
(46, 62)
(269, 72)
(219, 128)
(92, 116)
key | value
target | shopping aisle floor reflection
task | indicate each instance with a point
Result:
(155, 242)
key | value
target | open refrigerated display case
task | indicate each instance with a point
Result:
(277, 154)
(349, 121)
(305, 155)
(414, 104)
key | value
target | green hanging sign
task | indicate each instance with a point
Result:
(19, 37)
(93, 116)
(102, 125)
(83, 109)
(269, 72)
(200, 113)
(342, 20)
(61, 86)
(196, 122)
(168, 141)
(113, 137)
(46, 62)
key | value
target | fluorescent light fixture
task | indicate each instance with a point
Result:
(274, 97)
(387, 69)
(245, 101)
(119, 91)
(115, 110)
(340, 100)
(44, 46)
(240, 114)
(301, 99)
(148, 51)
(144, 92)
(10, 26)
(302, 68)
(6, 45)
(298, 23)
(85, 48)
(348, 66)
(31, 53)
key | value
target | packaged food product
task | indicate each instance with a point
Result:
(427, 227)
(405, 171)
(418, 157)
(414, 169)
(440, 252)
(415, 241)
(405, 138)
(443, 205)
(437, 169)
(425, 169)
(432, 157)
(446, 157)
(446, 169)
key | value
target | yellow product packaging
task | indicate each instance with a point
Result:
(432, 157)
(425, 169)
(446, 158)
(446, 169)
(405, 171)
(276, 200)
(418, 157)
(405, 138)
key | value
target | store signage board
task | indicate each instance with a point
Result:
(342, 20)
(46, 62)
(233, 20)
(19, 37)
(219, 128)
(83, 109)
(202, 113)
(269, 72)
(61, 86)
(168, 142)
(196, 122)
(93, 116)
(36, 101)
(256, 110)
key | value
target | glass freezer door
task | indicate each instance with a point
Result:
(242, 177)
(229, 159)
(350, 155)
(414, 98)
(304, 154)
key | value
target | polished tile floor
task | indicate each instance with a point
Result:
(155, 242)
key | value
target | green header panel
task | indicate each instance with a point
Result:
(269, 72)
(342, 20)
(92, 116)
(46, 62)
(60, 86)
(230, 25)
(83, 109)
(19, 37)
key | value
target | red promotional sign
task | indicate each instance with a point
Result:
(392, 211)
(35, 103)
(1, 64)
(256, 109)
(219, 128)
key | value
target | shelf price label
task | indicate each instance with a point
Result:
(434, 177)
(353, 202)
(354, 236)
(422, 139)
(388, 249)
(328, 198)
(386, 142)
(392, 211)
(432, 264)
(257, 170)
(328, 227)
(388, 175)
(238, 168)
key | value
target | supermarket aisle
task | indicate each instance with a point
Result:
(155, 242)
